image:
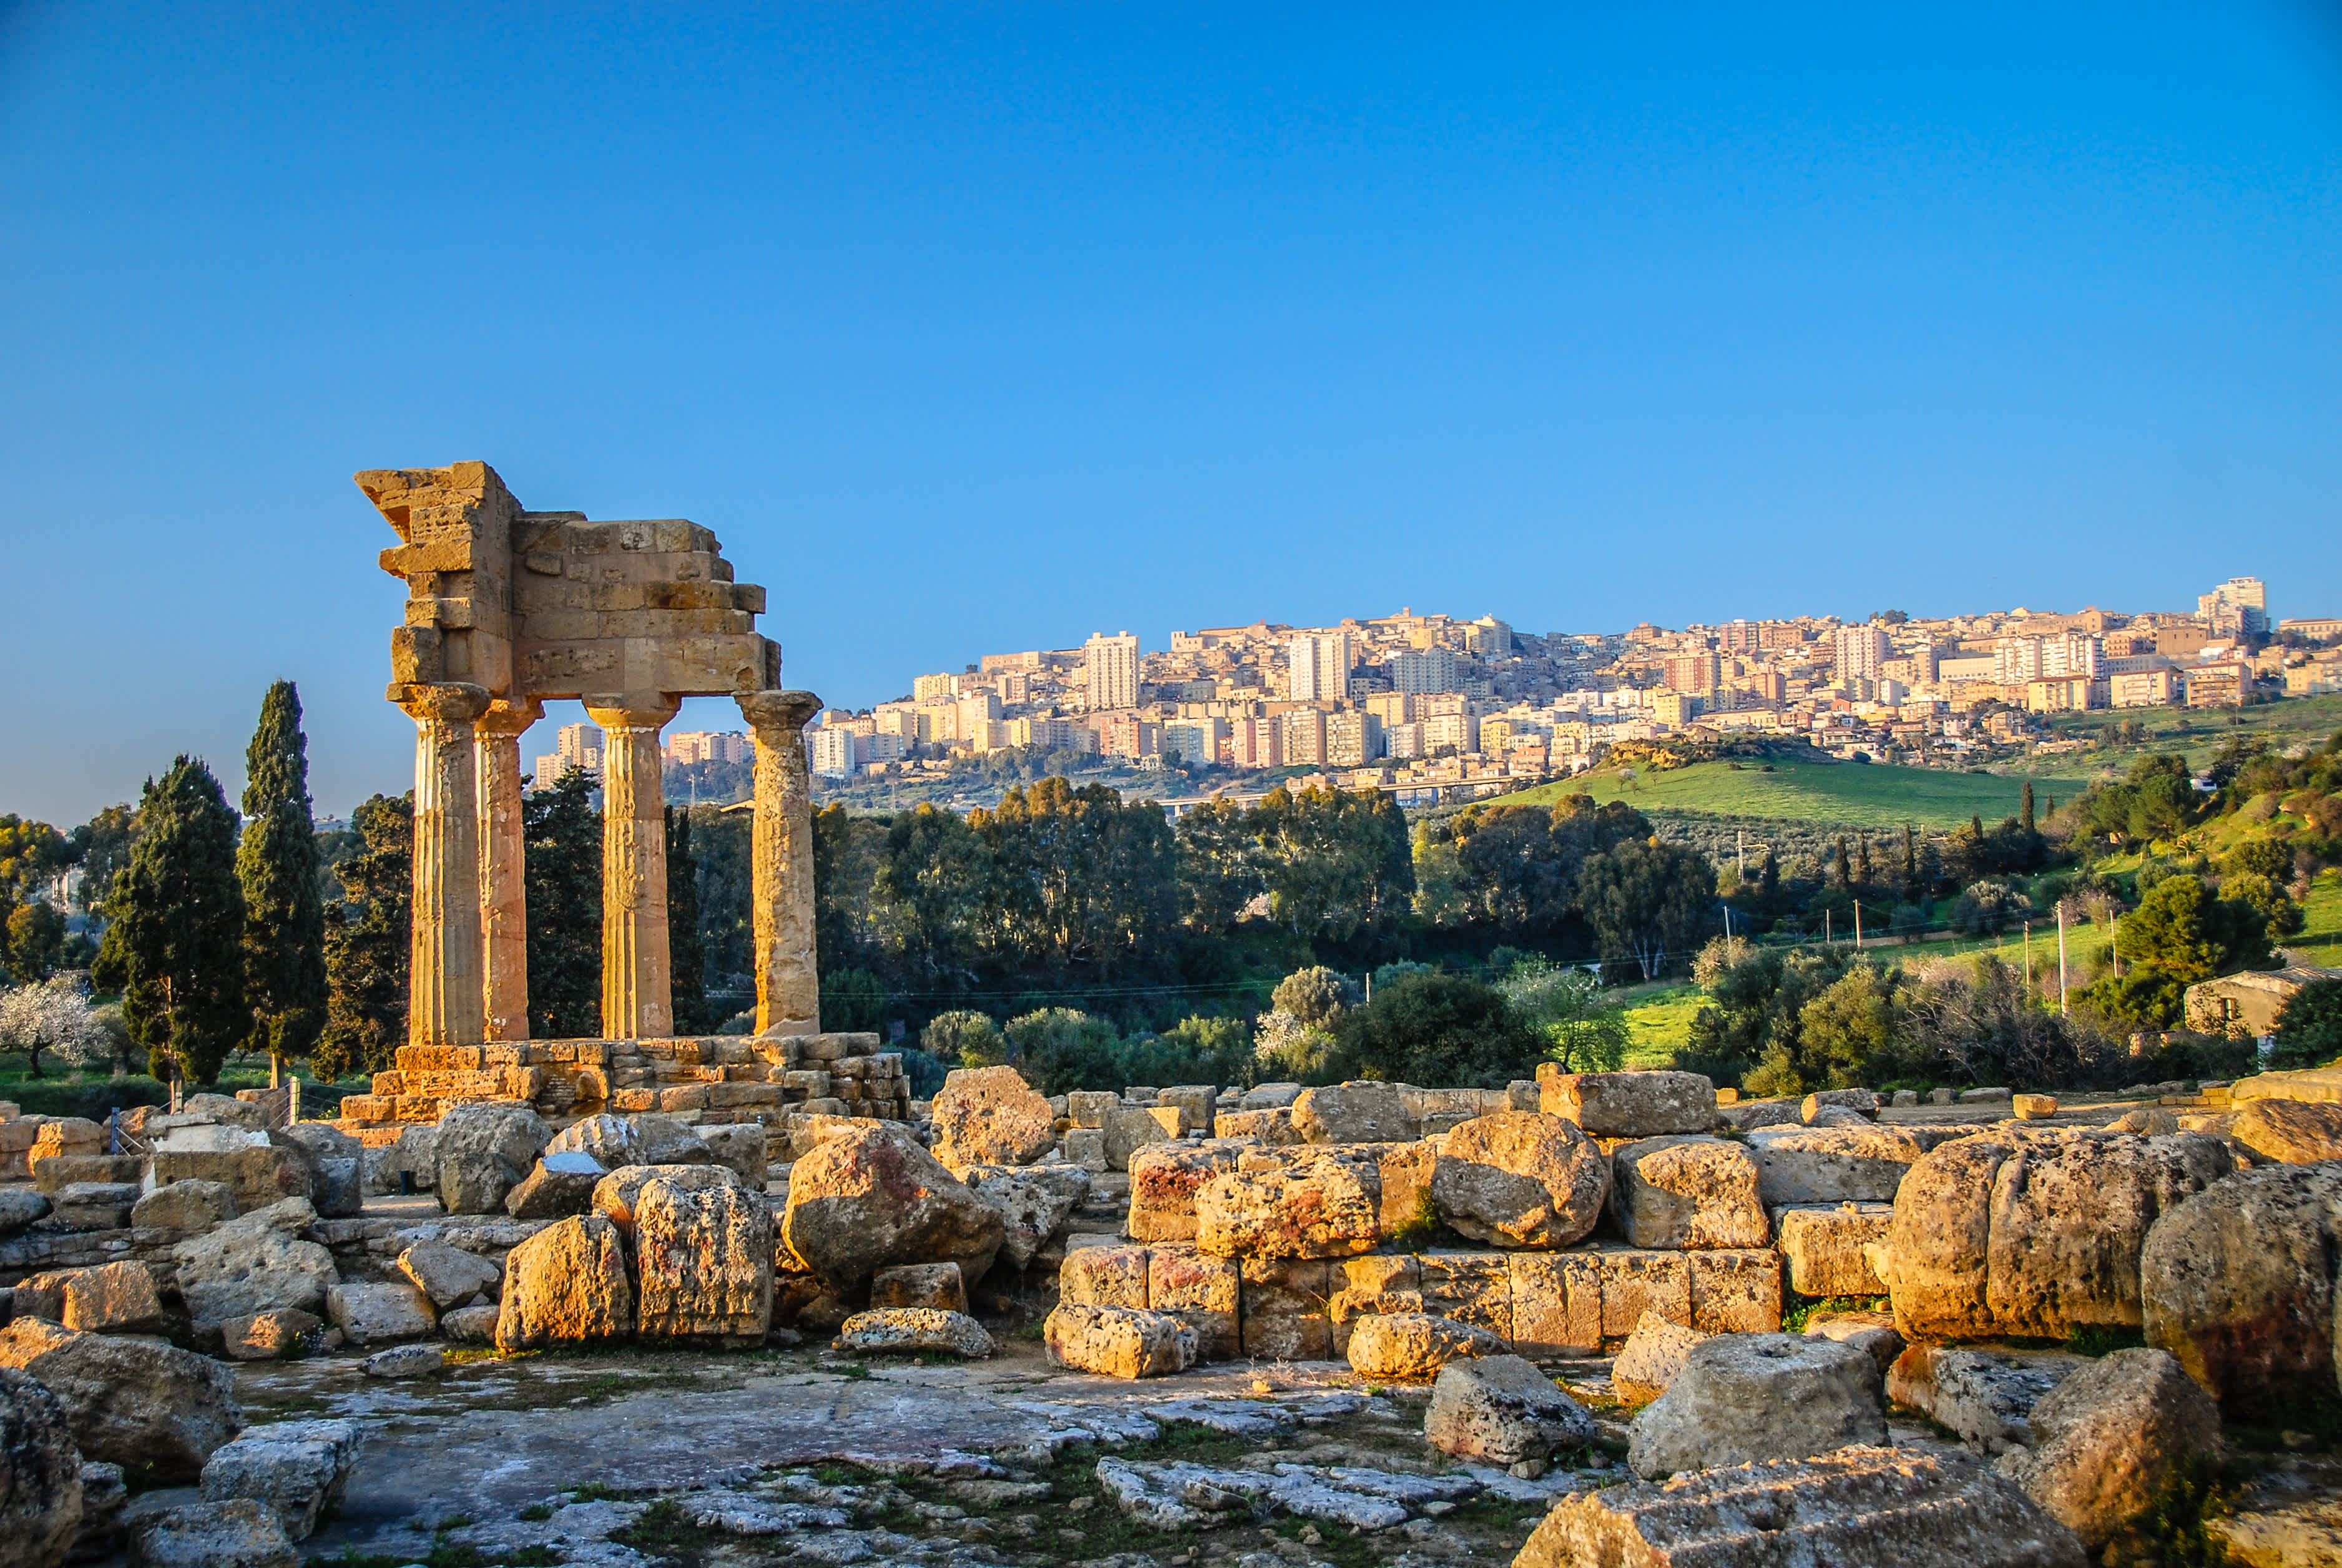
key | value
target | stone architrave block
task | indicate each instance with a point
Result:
(705, 1262)
(1357, 1112)
(1556, 1302)
(1687, 1191)
(1470, 1287)
(1803, 1165)
(1628, 1104)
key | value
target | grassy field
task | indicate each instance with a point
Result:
(2321, 941)
(1855, 793)
(1658, 1019)
(2198, 732)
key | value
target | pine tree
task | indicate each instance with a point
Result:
(686, 958)
(563, 835)
(175, 949)
(283, 917)
(2025, 807)
(368, 938)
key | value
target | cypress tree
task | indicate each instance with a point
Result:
(2025, 807)
(276, 865)
(368, 938)
(1768, 882)
(175, 949)
(1845, 867)
(687, 955)
(1910, 864)
(1863, 871)
(564, 835)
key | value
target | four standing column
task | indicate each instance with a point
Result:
(504, 867)
(788, 974)
(637, 994)
(444, 997)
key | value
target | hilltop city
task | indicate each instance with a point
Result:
(1431, 707)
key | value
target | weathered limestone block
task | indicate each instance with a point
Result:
(704, 1257)
(667, 1141)
(1105, 1276)
(1520, 1179)
(95, 1205)
(296, 1469)
(1379, 1283)
(20, 1206)
(470, 1324)
(1653, 1357)
(740, 1147)
(1988, 1400)
(1744, 1398)
(1194, 1102)
(112, 1298)
(1557, 1301)
(255, 1263)
(1687, 1191)
(1856, 1505)
(1628, 1104)
(1119, 1342)
(1272, 1126)
(1269, 1097)
(617, 1195)
(562, 1184)
(1861, 1101)
(52, 1173)
(936, 1285)
(610, 1140)
(188, 1208)
(337, 1165)
(1033, 1202)
(915, 1331)
(1470, 1287)
(238, 1533)
(1283, 1312)
(40, 1474)
(448, 1276)
(1203, 1292)
(483, 1152)
(566, 1284)
(381, 1314)
(1412, 1347)
(1312, 1208)
(1087, 1108)
(1501, 1410)
(2034, 1234)
(2237, 1282)
(1164, 1181)
(2292, 1132)
(1361, 1112)
(873, 1198)
(990, 1116)
(258, 1174)
(275, 1335)
(1866, 1165)
(2110, 1438)
(1824, 1247)
(155, 1410)
(1128, 1129)
(71, 1135)
(1872, 1332)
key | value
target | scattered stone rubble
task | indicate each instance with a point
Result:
(1441, 1242)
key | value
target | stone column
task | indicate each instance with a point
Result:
(504, 867)
(788, 976)
(637, 994)
(444, 1001)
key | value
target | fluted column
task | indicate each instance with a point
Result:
(504, 867)
(637, 987)
(444, 999)
(788, 974)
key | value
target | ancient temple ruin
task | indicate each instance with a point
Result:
(507, 607)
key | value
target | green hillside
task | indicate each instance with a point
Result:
(1855, 794)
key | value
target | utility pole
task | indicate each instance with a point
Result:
(1858, 925)
(2116, 926)
(2028, 955)
(1741, 851)
(1825, 928)
(2061, 955)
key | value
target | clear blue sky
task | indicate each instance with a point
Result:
(974, 328)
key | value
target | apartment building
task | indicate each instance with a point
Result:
(1113, 670)
(1317, 667)
(1353, 738)
(1863, 651)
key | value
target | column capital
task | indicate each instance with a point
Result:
(631, 710)
(507, 718)
(451, 702)
(786, 712)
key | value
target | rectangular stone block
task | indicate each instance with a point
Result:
(1635, 1282)
(1556, 1302)
(634, 1101)
(1129, 1130)
(1735, 1291)
(1111, 1275)
(1406, 1170)
(1470, 1287)
(1284, 1309)
(684, 1097)
(726, 1096)
(1193, 1102)
(1822, 1247)
(1205, 1293)
(369, 1107)
(1380, 1283)
(52, 1173)
(1089, 1107)
(385, 1082)
(1273, 1127)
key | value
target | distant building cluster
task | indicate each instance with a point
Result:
(1430, 699)
(579, 746)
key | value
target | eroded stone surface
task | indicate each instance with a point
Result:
(2110, 1438)
(1520, 1179)
(1502, 1410)
(155, 1410)
(990, 1116)
(1412, 1347)
(1687, 1191)
(873, 1198)
(1744, 1398)
(704, 1262)
(568, 1285)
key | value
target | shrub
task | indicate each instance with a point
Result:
(1989, 907)
(2309, 1030)
(965, 1039)
(1438, 1031)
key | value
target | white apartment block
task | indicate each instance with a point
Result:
(1112, 664)
(2236, 608)
(709, 746)
(1424, 670)
(1318, 667)
(1353, 739)
(1194, 739)
(831, 752)
(1863, 651)
(1304, 736)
